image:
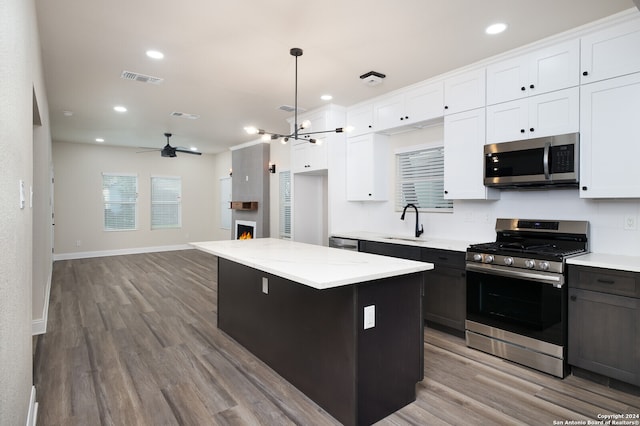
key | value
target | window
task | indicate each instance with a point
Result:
(120, 198)
(285, 204)
(420, 179)
(166, 194)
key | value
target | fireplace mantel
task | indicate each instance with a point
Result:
(244, 205)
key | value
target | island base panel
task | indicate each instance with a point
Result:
(316, 341)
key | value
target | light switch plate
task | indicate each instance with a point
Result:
(369, 316)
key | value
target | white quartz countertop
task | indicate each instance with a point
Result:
(422, 241)
(315, 266)
(608, 261)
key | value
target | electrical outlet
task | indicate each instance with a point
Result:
(369, 316)
(630, 223)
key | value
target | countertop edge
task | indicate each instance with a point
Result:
(434, 243)
(410, 268)
(607, 261)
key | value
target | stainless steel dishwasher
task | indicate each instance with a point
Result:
(343, 243)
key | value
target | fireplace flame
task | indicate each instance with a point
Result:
(245, 236)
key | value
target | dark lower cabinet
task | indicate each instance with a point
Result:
(604, 322)
(444, 300)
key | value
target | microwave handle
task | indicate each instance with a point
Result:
(545, 160)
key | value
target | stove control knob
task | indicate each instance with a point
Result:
(544, 265)
(488, 258)
(477, 257)
(508, 261)
(530, 264)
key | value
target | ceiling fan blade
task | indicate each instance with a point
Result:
(188, 151)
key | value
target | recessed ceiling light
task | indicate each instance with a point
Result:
(326, 97)
(155, 54)
(99, 140)
(496, 28)
(119, 108)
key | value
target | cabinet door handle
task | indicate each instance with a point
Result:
(521, 130)
(446, 192)
(523, 88)
(573, 298)
(446, 107)
(584, 188)
(532, 87)
(603, 281)
(532, 129)
(585, 73)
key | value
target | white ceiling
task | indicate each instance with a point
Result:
(229, 61)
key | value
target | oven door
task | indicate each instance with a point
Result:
(517, 302)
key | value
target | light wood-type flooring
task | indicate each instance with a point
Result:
(132, 340)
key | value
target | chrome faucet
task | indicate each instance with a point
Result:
(418, 231)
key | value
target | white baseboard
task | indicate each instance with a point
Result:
(32, 414)
(119, 252)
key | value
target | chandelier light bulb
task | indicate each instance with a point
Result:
(251, 130)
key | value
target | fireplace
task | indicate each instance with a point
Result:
(245, 229)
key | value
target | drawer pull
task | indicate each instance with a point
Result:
(603, 281)
(442, 258)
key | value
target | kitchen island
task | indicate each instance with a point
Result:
(344, 327)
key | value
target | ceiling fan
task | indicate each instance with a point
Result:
(170, 151)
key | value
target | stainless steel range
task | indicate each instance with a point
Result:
(517, 291)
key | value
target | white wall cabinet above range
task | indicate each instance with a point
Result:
(463, 157)
(610, 138)
(360, 119)
(368, 174)
(553, 68)
(465, 91)
(611, 52)
(549, 114)
(416, 104)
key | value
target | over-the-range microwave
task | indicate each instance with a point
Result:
(547, 161)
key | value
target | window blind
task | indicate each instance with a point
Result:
(420, 180)
(166, 206)
(285, 204)
(120, 198)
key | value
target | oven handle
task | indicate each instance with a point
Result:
(554, 279)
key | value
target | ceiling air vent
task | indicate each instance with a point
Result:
(142, 78)
(289, 108)
(184, 115)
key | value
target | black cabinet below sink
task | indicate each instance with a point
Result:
(445, 295)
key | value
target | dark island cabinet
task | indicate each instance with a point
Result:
(444, 300)
(604, 322)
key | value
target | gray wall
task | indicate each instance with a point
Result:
(250, 182)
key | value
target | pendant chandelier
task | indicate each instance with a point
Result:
(297, 128)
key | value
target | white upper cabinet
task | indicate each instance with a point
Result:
(464, 156)
(546, 70)
(610, 53)
(610, 138)
(464, 92)
(549, 114)
(360, 119)
(417, 104)
(309, 157)
(367, 167)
